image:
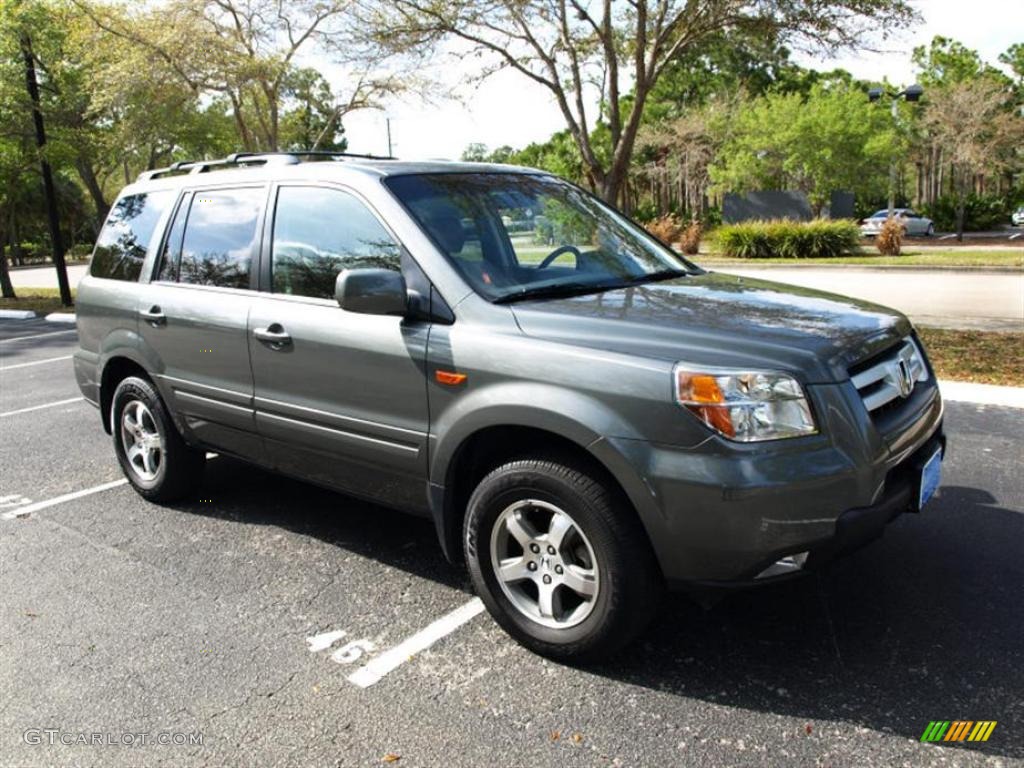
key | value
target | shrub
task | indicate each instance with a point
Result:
(981, 212)
(666, 228)
(690, 240)
(786, 239)
(889, 239)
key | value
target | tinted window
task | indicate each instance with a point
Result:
(220, 236)
(317, 233)
(168, 268)
(122, 245)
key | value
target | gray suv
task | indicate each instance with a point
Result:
(585, 416)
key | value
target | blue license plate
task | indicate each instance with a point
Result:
(931, 476)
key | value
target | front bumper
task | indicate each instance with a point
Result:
(722, 513)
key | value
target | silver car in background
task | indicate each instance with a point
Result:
(914, 224)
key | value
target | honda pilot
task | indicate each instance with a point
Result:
(585, 416)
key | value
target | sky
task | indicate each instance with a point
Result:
(507, 108)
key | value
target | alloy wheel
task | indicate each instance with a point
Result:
(141, 440)
(544, 563)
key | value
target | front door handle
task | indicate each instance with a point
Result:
(154, 316)
(274, 335)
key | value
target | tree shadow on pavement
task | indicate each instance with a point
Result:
(925, 624)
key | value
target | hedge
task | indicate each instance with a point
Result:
(786, 239)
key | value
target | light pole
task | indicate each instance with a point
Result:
(911, 93)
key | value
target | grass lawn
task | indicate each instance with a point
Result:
(978, 356)
(952, 258)
(42, 301)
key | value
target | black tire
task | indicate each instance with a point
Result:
(630, 583)
(179, 471)
(931, 231)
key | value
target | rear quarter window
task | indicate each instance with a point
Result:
(124, 240)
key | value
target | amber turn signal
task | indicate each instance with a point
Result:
(451, 378)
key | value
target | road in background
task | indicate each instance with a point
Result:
(969, 298)
(243, 614)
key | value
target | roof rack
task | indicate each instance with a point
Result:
(242, 159)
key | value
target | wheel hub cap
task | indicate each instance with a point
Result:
(544, 563)
(141, 439)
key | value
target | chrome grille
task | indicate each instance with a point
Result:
(892, 375)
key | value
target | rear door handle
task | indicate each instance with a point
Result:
(274, 335)
(154, 315)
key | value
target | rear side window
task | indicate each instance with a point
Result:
(318, 232)
(124, 241)
(220, 237)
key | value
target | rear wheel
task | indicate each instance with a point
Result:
(560, 560)
(931, 230)
(153, 456)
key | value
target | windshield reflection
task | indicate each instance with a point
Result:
(515, 235)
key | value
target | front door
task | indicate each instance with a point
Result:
(340, 397)
(193, 316)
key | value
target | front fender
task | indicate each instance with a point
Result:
(577, 417)
(580, 418)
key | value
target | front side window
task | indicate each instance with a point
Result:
(124, 241)
(318, 232)
(220, 237)
(515, 235)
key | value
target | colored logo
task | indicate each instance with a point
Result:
(958, 730)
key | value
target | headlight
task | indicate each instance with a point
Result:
(746, 406)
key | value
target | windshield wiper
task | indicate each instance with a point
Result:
(563, 290)
(558, 291)
(661, 274)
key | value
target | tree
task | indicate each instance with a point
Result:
(832, 140)
(245, 51)
(475, 153)
(588, 50)
(972, 121)
(946, 61)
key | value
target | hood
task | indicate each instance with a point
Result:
(723, 320)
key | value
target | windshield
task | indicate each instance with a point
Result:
(514, 235)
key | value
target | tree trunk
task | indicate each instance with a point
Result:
(56, 240)
(88, 176)
(961, 204)
(6, 287)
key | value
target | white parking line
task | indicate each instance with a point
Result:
(395, 657)
(38, 335)
(35, 362)
(27, 510)
(40, 407)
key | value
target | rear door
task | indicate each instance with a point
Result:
(340, 397)
(193, 315)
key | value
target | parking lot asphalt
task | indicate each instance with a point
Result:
(224, 616)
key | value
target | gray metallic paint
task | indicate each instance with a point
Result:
(354, 404)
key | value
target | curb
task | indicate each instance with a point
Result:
(17, 314)
(60, 317)
(981, 394)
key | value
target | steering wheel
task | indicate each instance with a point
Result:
(558, 252)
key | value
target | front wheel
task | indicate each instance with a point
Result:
(153, 456)
(931, 231)
(560, 560)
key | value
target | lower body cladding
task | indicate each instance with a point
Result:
(731, 515)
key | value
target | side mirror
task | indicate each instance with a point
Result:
(372, 291)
